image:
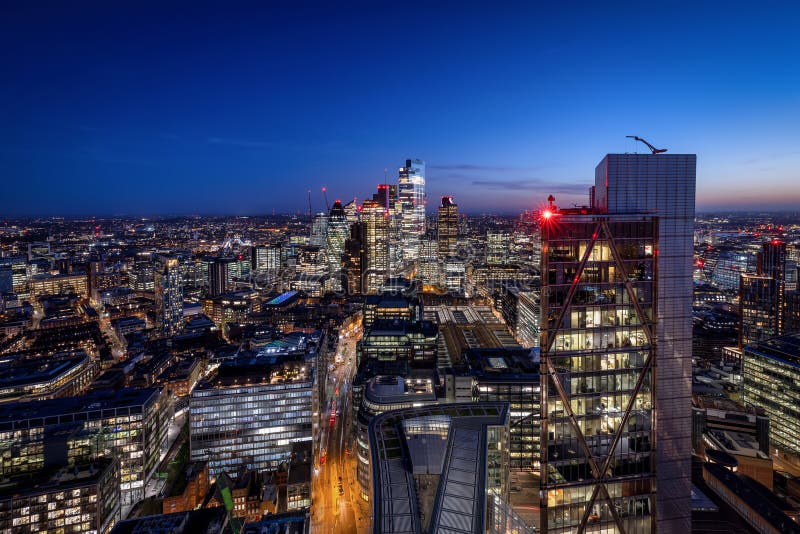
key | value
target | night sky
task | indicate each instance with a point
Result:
(239, 108)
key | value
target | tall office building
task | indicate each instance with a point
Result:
(355, 259)
(762, 296)
(411, 196)
(616, 300)
(266, 258)
(375, 217)
(448, 228)
(219, 275)
(169, 296)
(337, 234)
(319, 230)
(497, 248)
(760, 314)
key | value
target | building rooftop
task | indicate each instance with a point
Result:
(90, 403)
(202, 521)
(388, 389)
(258, 370)
(39, 370)
(444, 444)
(63, 478)
(502, 363)
(757, 497)
(284, 523)
(283, 298)
(783, 348)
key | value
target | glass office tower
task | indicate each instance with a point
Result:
(411, 195)
(598, 303)
(616, 305)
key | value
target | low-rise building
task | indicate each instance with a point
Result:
(82, 498)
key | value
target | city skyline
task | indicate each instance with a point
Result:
(504, 107)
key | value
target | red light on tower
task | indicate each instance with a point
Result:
(547, 214)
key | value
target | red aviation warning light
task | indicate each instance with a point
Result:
(547, 214)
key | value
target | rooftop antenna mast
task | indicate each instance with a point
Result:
(651, 147)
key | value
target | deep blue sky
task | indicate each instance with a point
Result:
(112, 107)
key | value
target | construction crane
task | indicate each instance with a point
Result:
(325, 194)
(651, 147)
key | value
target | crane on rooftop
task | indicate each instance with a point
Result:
(651, 147)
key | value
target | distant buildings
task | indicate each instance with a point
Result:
(762, 295)
(169, 296)
(448, 228)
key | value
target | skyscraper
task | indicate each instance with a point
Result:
(375, 216)
(169, 296)
(411, 195)
(218, 275)
(448, 228)
(616, 300)
(355, 259)
(337, 233)
(762, 296)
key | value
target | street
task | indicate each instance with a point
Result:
(337, 506)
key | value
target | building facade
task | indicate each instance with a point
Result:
(448, 228)
(771, 380)
(249, 414)
(411, 196)
(169, 297)
(616, 299)
(128, 424)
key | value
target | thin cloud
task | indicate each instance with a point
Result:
(532, 184)
(241, 143)
(469, 167)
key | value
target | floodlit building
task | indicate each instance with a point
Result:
(250, 413)
(375, 217)
(411, 197)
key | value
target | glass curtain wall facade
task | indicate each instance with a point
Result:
(598, 350)
(411, 195)
(664, 185)
(376, 242)
(234, 424)
(771, 380)
(338, 230)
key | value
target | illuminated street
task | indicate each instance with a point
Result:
(338, 510)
